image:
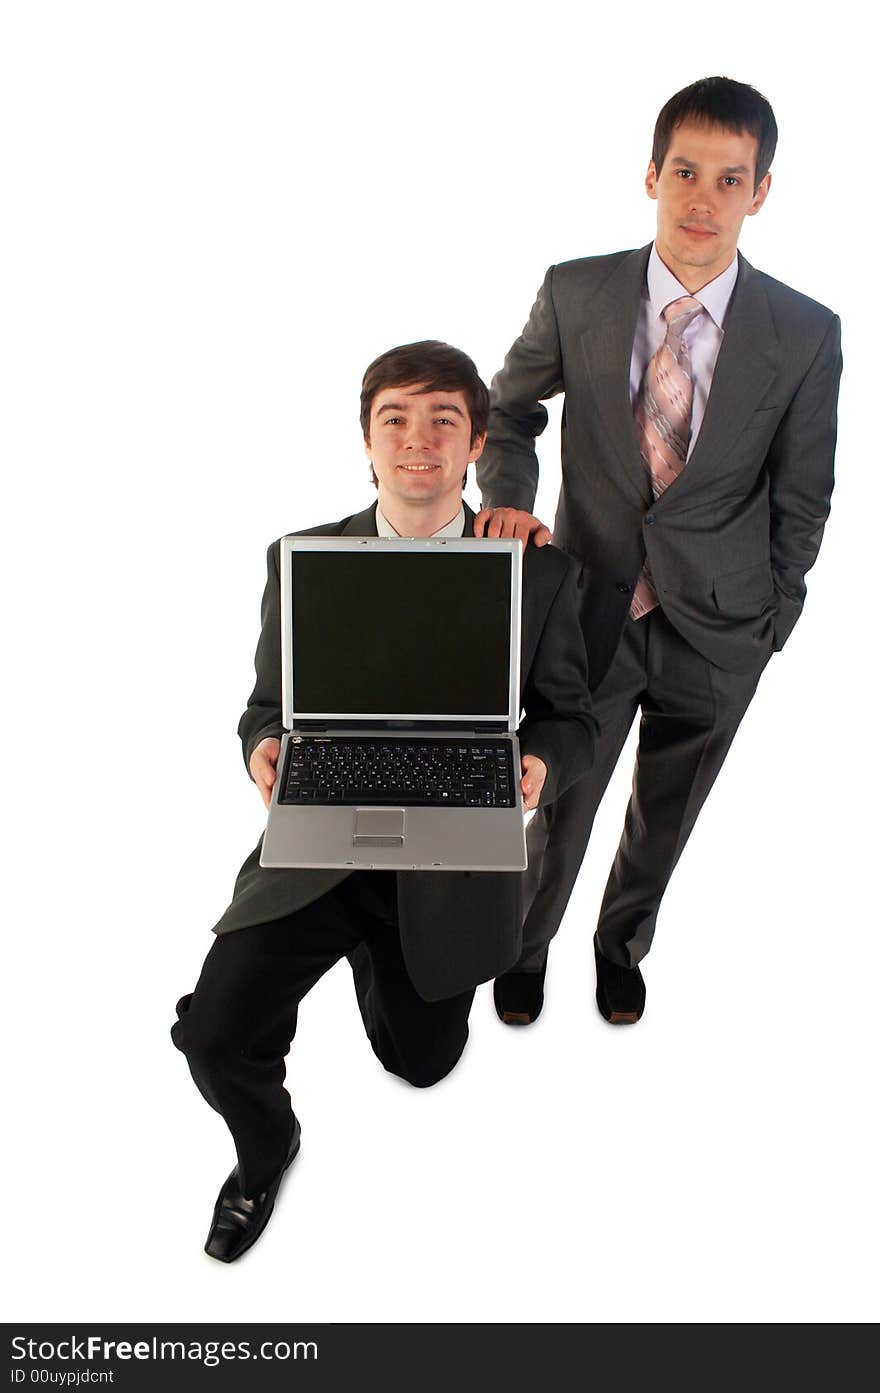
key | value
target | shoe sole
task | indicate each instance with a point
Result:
(516, 1018)
(617, 1017)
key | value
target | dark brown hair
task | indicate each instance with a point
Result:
(719, 101)
(438, 367)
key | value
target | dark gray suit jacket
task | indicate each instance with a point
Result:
(730, 541)
(457, 928)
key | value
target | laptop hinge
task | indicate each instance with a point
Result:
(473, 728)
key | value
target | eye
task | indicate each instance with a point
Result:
(685, 173)
(445, 421)
(731, 181)
(393, 420)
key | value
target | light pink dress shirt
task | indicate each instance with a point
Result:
(703, 337)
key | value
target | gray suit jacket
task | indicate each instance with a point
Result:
(730, 541)
(457, 928)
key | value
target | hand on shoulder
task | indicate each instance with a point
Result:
(511, 522)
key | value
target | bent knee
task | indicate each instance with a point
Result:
(427, 1078)
(207, 1044)
(423, 1071)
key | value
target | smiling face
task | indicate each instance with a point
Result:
(420, 446)
(704, 191)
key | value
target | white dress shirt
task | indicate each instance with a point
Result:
(455, 528)
(703, 337)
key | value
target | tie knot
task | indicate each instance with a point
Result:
(679, 313)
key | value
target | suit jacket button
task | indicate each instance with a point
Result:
(649, 519)
(623, 587)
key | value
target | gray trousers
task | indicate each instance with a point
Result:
(690, 711)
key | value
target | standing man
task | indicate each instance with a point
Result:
(698, 447)
(418, 941)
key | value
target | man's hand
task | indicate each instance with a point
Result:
(534, 773)
(511, 522)
(262, 766)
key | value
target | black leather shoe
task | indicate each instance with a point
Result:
(620, 991)
(519, 996)
(238, 1221)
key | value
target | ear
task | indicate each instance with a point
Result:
(651, 180)
(761, 193)
(367, 447)
(477, 448)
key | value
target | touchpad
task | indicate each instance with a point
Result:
(378, 827)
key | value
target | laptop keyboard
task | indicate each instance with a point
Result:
(416, 773)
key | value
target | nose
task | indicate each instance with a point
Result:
(418, 436)
(701, 196)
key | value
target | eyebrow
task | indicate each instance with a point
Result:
(441, 406)
(728, 169)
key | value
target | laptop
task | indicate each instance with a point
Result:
(400, 702)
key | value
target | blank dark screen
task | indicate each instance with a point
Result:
(401, 633)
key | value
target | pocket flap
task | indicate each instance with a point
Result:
(744, 592)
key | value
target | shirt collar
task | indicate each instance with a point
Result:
(714, 297)
(454, 528)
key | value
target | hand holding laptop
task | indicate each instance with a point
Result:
(263, 765)
(534, 773)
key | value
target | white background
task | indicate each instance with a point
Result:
(215, 215)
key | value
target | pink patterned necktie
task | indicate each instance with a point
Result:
(663, 420)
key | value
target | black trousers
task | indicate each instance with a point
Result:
(236, 1027)
(690, 713)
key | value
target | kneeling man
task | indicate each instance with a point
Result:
(424, 412)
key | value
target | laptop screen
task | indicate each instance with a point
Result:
(389, 632)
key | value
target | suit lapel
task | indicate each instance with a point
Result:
(607, 345)
(362, 524)
(747, 364)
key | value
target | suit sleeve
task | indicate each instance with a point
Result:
(262, 716)
(801, 472)
(507, 471)
(559, 726)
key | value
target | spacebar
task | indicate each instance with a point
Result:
(384, 795)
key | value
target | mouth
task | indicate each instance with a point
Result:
(701, 233)
(417, 468)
